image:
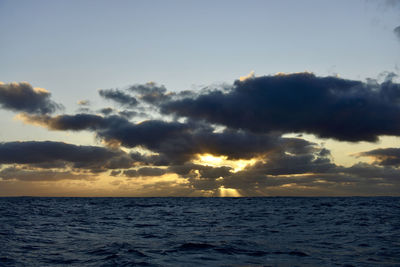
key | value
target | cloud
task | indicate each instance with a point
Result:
(284, 164)
(145, 171)
(40, 175)
(175, 142)
(77, 122)
(201, 171)
(383, 156)
(309, 159)
(280, 162)
(202, 177)
(118, 96)
(106, 111)
(151, 92)
(309, 169)
(214, 172)
(316, 175)
(374, 174)
(49, 154)
(328, 107)
(23, 97)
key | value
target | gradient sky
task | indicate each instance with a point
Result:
(107, 52)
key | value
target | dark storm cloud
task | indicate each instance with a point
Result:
(214, 172)
(203, 171)
(375, 174)
(284, 164)
(23, 97)
(112, 127)
(118, 96)
(179, 142)
(328, 107)
(49, 154)
(156, 135)
(40, 175)
(151, 134)
(202, 177)
(383, 156)
(148, 171)
(284, 160)
(174, 142)
(145, 171)
(36, 152)
(77, 122)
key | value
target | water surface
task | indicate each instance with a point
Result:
(200, 231)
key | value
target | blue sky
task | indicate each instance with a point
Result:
(80, 46)
(75, 48)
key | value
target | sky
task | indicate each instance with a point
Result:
(199, 98)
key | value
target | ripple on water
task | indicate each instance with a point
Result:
(199, 231)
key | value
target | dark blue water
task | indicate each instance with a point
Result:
(200, 231)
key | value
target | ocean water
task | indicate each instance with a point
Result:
(200, 231)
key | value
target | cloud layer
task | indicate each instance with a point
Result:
(229, 137)
(56, 160)
(328, 107)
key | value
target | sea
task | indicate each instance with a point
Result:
(259, 231)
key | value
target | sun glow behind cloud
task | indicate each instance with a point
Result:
(214, 161)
